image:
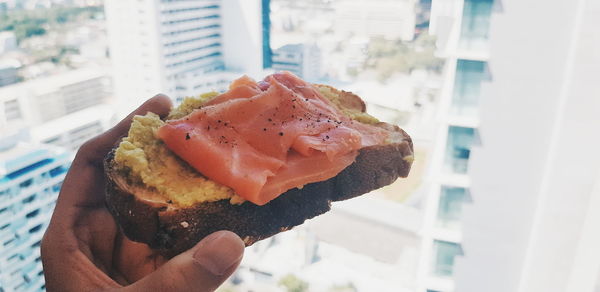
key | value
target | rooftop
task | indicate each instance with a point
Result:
(52, 83)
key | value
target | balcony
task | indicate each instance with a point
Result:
(467, 88)
(458, 149)
(450, 207)
(444, 255)
(475, 28)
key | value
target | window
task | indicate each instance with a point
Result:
(12, 110)
(467, 87)
(215, 35)
(458, 149)
(445, 253)
(476, 24)
(450, 207)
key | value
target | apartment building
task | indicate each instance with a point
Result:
(30, 179)
(65, 109)
(304, 60)
(172, 46)
(462, 28)
(535, 177)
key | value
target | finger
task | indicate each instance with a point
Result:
(203, 268)
(84, 178)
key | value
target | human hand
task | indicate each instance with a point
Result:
(83, 248)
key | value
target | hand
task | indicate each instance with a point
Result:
(83, 248)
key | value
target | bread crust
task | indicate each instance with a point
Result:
(171, 230)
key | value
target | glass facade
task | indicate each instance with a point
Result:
(266, 33)
(445, 253)
(450, 207)
(29, 184)
(475, 26)
(467, 87)
(458, 149)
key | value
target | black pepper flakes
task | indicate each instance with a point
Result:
(327, 137)
(219, 121)
(265, 129)
(187, 136)
(280, 133)
(269, 119)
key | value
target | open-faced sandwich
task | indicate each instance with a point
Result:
(256, 160)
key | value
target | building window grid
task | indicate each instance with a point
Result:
(24, 227)
(213, 55)
(211, 36)
(175, 11)
(214, 45)
(172, 22)
(181, 31)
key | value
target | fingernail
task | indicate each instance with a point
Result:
(218, 252)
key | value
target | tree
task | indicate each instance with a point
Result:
(293, 283)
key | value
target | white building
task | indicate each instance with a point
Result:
(8, 71)
(462, 30)
(391, 19)
(535, 179)
(170, 46)
(65, 109)
(8, 41)
(304, 60)
(30, 179)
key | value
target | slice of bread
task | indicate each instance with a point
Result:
(172, 227)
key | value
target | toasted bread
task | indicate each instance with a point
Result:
(172, 229)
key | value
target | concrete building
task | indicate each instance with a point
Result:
(304, 60)
(462, 30)
(391, 19)
(30, 179)
(8, 41)
(170, 46)
(65, 109)
(535, 177)
(8, 72)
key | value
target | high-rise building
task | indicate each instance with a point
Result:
(304, 60)
(65, 109)
(462, 30)
(173, 46)
(30, 179)
(535, 177)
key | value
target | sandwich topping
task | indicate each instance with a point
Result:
(264, 138)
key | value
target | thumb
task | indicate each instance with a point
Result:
(202, 268)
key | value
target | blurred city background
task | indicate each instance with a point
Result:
(501, 98)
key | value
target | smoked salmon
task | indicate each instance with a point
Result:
(264, 138)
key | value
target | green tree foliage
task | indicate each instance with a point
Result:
(293, 284)
(388, 57)
(28, 23)
(349, 287)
